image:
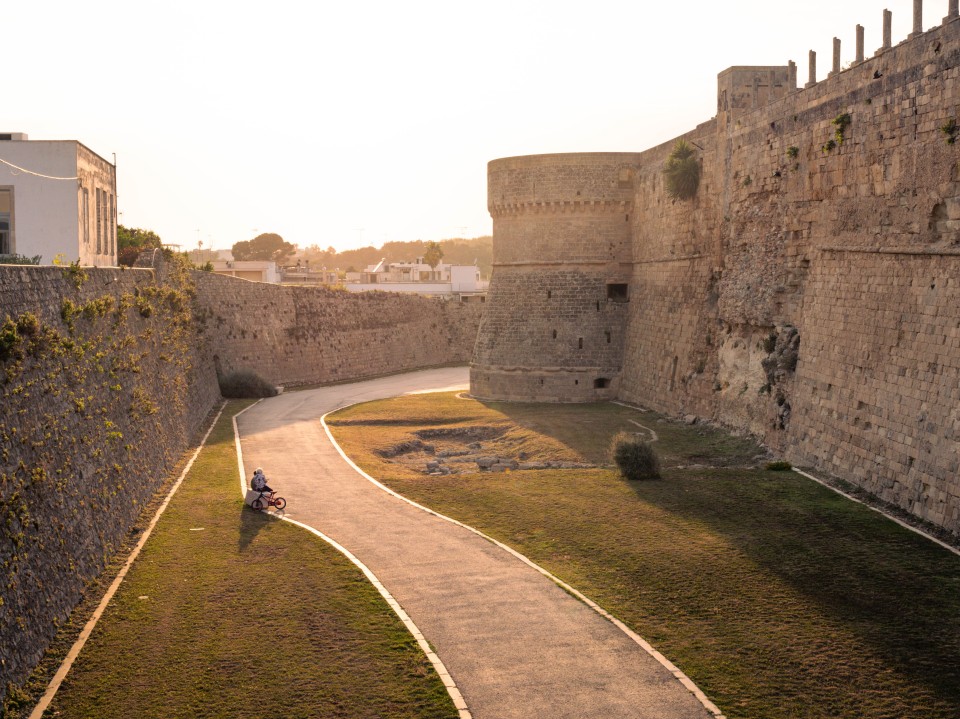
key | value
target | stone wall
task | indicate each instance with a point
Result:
(562, 238)
(733, 306)
(103, 388)
(107, 376)
(878, 386)
(303, 335)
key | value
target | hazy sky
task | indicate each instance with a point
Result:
(354, 123)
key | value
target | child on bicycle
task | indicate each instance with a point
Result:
(259, 482)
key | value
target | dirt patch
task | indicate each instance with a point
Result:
(465, 434)
(470, 449)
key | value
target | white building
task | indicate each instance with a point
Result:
(419, 277)
(253, 270)
(58, 200)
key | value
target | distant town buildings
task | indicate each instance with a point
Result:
(446, 281)
(253, 270)
(58, 200)
(418, 277)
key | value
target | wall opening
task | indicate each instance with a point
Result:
(608, 337)
(549, 294)
(601, 383)
(580, 343)
(618, 292)
(554, 334)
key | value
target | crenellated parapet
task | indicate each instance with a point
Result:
(562, 206)
(561, 253)
(806, 293)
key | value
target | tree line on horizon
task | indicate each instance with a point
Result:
(454, 251)
(271, 246)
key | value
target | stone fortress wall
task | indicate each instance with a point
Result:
(563, 230)
(808, 293)
(107, 376)
(303, 335)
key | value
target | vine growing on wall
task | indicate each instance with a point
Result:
(87, 402)
(841, 122)
(950, 129)
(682, 172)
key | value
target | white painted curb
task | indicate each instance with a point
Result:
(71, 657)
(646, 646)
(448, 682)
(879, 511)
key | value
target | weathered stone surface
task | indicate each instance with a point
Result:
(86, 439)
(807, 294)
(304, 335)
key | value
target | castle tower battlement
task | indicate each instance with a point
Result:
(561, 255)
(807, 293)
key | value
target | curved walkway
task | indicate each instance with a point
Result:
(515, 643)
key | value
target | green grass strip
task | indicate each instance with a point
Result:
(779, 598)
(228, 613)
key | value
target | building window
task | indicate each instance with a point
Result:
(85, 217)
(601, 383)
(6, 222)
(99, 221)
(112, 229)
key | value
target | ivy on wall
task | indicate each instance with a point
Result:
(90, 401)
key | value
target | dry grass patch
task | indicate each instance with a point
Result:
(454, 433)
(228, 613)
(781, 599)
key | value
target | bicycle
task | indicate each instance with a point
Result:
(268, 499)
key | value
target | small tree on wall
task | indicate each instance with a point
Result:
(682, 172)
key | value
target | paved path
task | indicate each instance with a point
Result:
(514, 642)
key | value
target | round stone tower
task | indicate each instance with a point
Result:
(557, 305)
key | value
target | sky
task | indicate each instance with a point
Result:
(360, 122)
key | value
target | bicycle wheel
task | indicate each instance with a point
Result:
(257, 504)
(279, 503)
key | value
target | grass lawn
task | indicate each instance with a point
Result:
(778, 597)
(229, 613)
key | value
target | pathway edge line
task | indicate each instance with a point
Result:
(878, 510)
(88, 628)
(640, 641)
(449, 684)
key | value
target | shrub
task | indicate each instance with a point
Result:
(9, 339)
(634, 457)
(779, 466)
(950, 129)
(841, 122)
(245, 385)
(16, 259)
(682, 172)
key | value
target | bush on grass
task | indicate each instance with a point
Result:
(779, 466)
(245, 385)
(634, 457)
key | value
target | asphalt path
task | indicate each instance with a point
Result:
(515, 643)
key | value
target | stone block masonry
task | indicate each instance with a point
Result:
(107, 376)
(806, 294)
(303, 335)
(102, 391)
(878, 390)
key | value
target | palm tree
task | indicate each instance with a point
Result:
(682, 171)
